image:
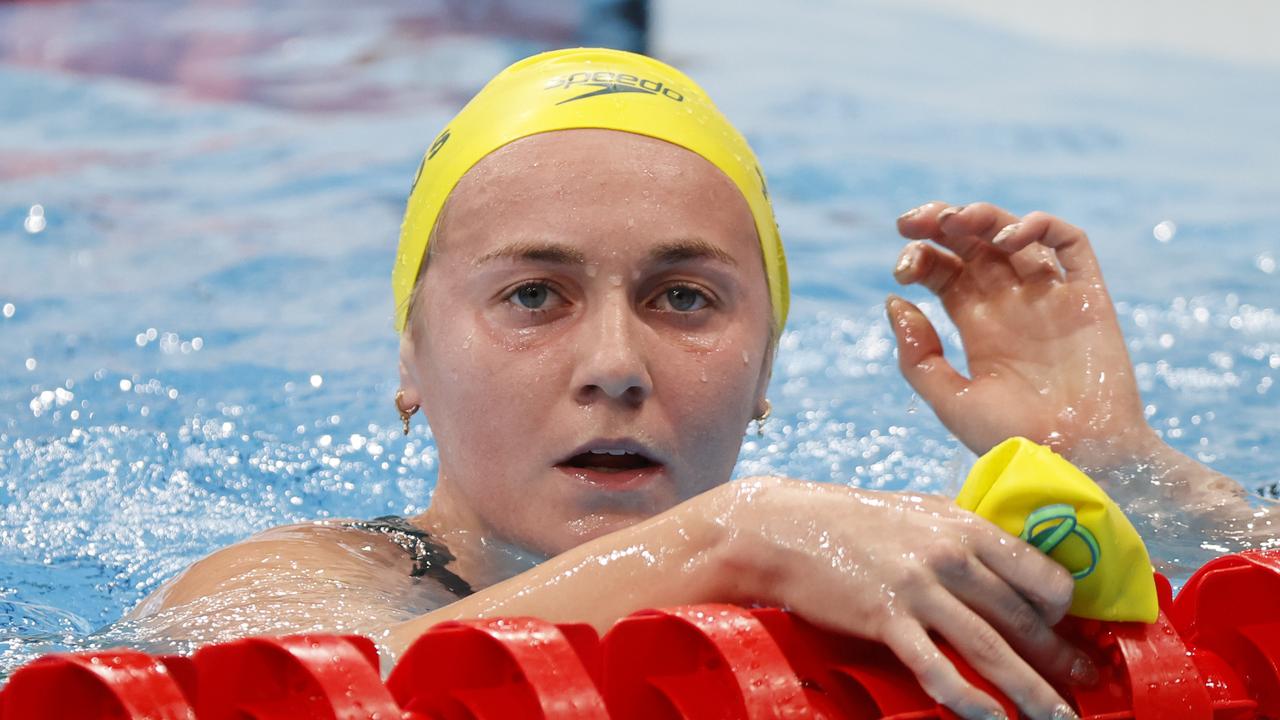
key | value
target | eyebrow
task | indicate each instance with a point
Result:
(536, 252)
(677, 251)
(667, 253)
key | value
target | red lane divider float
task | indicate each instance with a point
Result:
(115, 685)
(323, 677)
(699, 662)
(501, 668)
(1213, 654)
(1229, 611)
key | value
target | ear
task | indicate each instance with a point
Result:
(410, 383)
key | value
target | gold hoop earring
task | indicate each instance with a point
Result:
(759, 419)
(768, 408)
(405, 412)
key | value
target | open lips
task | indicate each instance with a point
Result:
(610, 460)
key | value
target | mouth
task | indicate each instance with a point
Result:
(614, 464)
(610, 462)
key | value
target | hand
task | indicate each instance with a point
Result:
(1045, 354)
(895, 568)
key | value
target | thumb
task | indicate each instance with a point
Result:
(920, 358)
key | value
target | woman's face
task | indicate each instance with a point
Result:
(591, 336)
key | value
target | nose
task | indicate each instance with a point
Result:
(612, 362)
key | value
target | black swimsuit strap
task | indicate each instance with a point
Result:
(429, 555)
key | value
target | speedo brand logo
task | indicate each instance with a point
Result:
(608, 83)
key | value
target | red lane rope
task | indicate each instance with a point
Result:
(1214, 654)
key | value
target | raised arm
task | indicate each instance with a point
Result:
(1046, 358)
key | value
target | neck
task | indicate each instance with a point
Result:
(482, 557)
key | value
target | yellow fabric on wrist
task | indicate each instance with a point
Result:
(1019, 479)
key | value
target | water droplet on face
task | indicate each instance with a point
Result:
(746, 359)
(615, 280)
(466, 342)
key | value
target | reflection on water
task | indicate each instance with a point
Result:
(317, 57)
(196, 343)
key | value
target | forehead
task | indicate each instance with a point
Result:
(595, 189)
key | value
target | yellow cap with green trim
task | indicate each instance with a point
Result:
(1030, 491)
(584, 88)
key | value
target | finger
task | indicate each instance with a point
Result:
(926, 223)
(982, 220)
(988, 222)
(920, 356)
(991, 656)
(928, 265)
(967, 230)
(1044, 583)
(1068, 242)
(1022, 624)
(951, 236)
(1032, 263)
(1036, 264)
(912, 645)
(921, 222)
(950, 226)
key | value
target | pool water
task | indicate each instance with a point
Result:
(197, 221)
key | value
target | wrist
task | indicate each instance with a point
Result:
(1123, 453)
(744, 567)
(1142, 461)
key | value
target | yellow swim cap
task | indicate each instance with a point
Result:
(584, 88)
(1028, 490)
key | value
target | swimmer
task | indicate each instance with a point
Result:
(590, 292)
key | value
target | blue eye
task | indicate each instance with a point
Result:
(534, 298)
(683, 298)
(531, 296)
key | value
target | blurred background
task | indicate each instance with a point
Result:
(199, 204)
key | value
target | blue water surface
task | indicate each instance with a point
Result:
(195, 325)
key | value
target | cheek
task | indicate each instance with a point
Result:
(711, 391)
(470, 361)
(478, 394)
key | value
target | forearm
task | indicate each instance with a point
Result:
(1174, 495)
(1144, 460)
(672, 559)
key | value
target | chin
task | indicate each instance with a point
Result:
(595, 525)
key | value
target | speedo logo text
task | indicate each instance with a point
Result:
(608, 83)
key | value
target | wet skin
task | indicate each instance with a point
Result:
(593, 289)
(549, 316)
(541, 302)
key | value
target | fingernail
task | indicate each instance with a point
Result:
(909, 214)
(1064, 712)
(1083, 672)
(954, 210)
(905, 261)
(1005, 233)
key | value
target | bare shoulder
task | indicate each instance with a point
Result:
(330, 549)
